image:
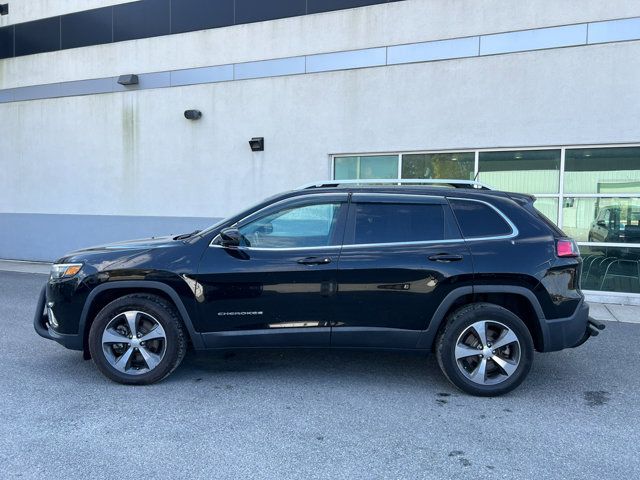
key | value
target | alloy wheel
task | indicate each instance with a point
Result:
(134, 342)
(487, 352)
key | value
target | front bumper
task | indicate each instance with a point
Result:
(44, 329)
(570, 332)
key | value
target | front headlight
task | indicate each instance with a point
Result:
(64, 270)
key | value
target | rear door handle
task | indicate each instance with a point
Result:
(445, 257)
(314, 261)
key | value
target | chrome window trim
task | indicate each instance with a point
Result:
(514, 230)
(284, 249)
(392, 244)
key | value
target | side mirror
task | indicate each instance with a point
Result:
(601, 223)
(230, 237)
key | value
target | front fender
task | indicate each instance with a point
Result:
(147, 285)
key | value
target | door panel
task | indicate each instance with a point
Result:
(388, 292)
(271, 291)
(245, 292)
(395, 287)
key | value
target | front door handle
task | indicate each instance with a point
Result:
(445, 257)
(314, 261)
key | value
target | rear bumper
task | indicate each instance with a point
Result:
(42, 327)
(569, 332)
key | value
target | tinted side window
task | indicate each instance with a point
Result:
(39, 36)
(479, 220)
(248, 11)
(190, 15)
(315, 6)
(304, 226)
(398, 222)
(143, 19)
(93, 27)
(6, 42)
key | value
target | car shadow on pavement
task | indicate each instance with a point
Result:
(321, 365)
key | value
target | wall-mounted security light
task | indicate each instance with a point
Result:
(257, 144)
(131, 79)
(192, 114)
(4, 9)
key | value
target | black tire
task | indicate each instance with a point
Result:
(174, 345)
(460, 322)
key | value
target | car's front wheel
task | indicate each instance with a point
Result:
(485, 350)
(137, 339)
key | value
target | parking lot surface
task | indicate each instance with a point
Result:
(310, 414)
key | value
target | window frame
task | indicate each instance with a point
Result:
(367, 155)
(450, 229)
(514, 230)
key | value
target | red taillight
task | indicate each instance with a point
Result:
(567, 248)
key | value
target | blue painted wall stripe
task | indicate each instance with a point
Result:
(47, 237)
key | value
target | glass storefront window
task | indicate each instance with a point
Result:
(602, 170)
(599, 202)
(526, 171)
(548, 207)
(459, 166)
(610, 220)
(611, 269)
(366, 167)
(345, 168)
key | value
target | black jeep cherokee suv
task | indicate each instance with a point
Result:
(476, 276)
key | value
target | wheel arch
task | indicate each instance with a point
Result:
(107, 292)
(519, 300)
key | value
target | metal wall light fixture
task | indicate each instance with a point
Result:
(192, 114)
(4, 9)
(257, 144)
(131, 79)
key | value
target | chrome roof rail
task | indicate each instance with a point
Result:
(388, 181)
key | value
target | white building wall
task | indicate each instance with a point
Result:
(135, 154)
(387, 24)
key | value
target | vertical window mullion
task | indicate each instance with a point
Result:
(476, 166)
(561, 189)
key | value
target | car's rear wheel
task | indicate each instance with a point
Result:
(137, 339)
(485, 350)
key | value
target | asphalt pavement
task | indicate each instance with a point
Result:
(311, 414)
